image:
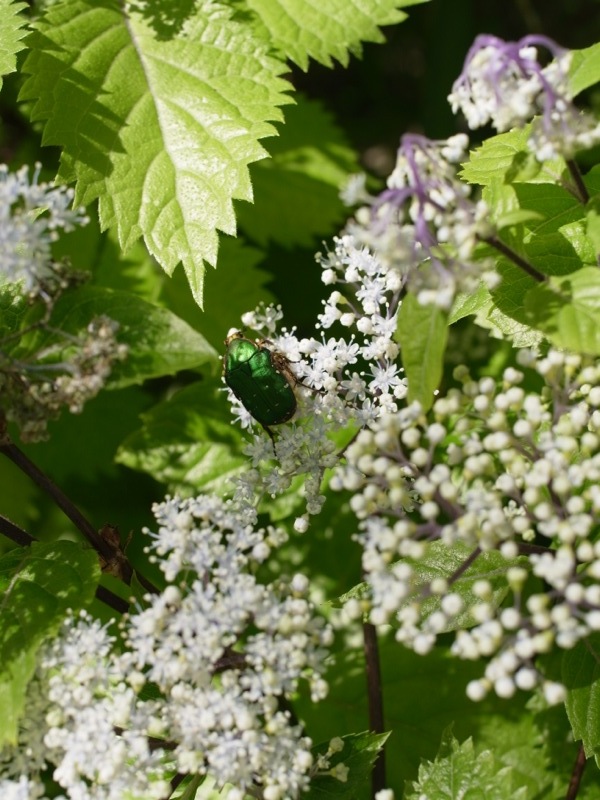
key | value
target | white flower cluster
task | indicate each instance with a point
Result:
(504, 83)
(342, 382)
(86, 723)
(223, 651)
(68, 371)
(30, 216)
(491, 468)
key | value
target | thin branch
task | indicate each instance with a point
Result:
(520, 262)
(112, 600)
(375, 698)
(576, 774)
(14, 533)
(27, 466)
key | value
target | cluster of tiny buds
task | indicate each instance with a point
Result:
(497, 477)
(66, 373)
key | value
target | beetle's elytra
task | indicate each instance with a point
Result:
(261, 380)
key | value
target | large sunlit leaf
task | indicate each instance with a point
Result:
(326, 29)
(585, 68)
(161, 124)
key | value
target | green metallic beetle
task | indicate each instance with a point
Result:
(261, 379)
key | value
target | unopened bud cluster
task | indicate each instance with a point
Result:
(492, 468)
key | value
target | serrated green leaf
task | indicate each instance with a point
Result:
(310, 159)
(358, 756)
(592, 218)
(422, 333)
(467, 304)
(459, 772)
(585, 69)
(39, 584)
(158, 342)
(302, 29)
(581, 676)
(12, 31)
(567, 310)
(161, 127)
(187, 442)
(237, 286)
(508, 158)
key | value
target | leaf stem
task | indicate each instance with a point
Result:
(576, 774)
(375, 699)
(580, 187)
(520, 262)
(15, 533)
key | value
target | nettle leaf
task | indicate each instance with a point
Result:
(358, 756)
(581, 676)
(458, 771)
(158, 342)
(303, 29)
(39, 584)
(12, 31)
(161, 126)
(567, 310)
(188, 442)
(507, 156)
(422, 333)
(585, 68)
(310, 159)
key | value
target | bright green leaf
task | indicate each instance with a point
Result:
(466, 304)
(422, 333)
(302, 29)
(161, 127)
(585, 69)
(12, 31)
(39, 584)
(459, 772)
(507, 157)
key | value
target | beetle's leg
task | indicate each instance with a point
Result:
(272, 438)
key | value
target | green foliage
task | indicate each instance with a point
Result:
(303, 30)
(581, 675)
(166, 156)
(39, 585)
(158, 342)
(585, 69)
(187, 442)
(422, 333)
(358, 755)
(459, 772)
(12, 31)
(310, 158)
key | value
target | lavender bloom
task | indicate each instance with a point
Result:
(504, 84)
